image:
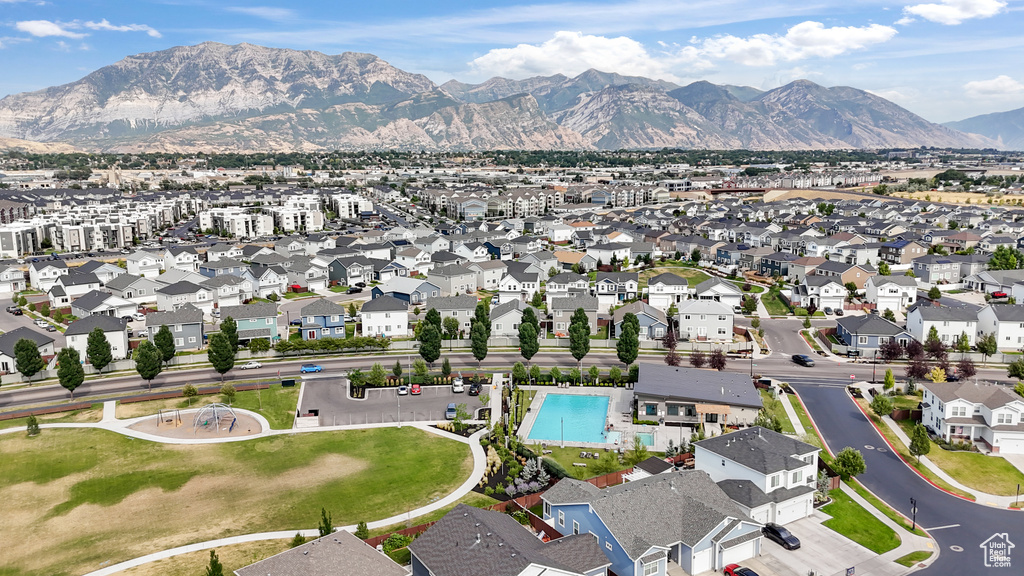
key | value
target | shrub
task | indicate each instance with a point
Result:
(396, 541)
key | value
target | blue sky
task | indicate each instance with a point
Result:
(942, 59)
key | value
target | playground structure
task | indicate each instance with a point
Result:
(168, 417)
(213, 416)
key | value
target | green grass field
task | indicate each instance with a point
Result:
(692, 275)
(859, 525)
(775, 306)
(909, 560)
(775, 407)
(277, 404)
(79, 499)
(93, 414)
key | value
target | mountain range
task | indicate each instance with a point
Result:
(216, 97)
(1006, 128)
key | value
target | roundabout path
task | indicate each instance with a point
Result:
(112, 424)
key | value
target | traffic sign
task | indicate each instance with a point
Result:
(853, 377)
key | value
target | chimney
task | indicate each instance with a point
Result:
(723, 390)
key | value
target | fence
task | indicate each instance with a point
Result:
(41, 411)
(833, 477)
(906, 414)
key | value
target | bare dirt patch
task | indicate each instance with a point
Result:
(181, 425)
(232, 557)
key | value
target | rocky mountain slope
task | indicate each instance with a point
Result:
(1007, 128)
(218, 97)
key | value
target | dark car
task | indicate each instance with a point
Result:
(828, 310)
(839, 311)
(360, 284)
(296, 322)
(780, 536)
(353, 290)
(17, 312)
(803, 360)
(474, 389)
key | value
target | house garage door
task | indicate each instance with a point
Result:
(1011, 445)
(739, 553)
(702, 561)
(795, 509)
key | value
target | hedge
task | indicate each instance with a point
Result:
(333, 344)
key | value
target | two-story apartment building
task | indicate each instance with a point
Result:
(562, 308)
(967, 412)
(820, 292)
(453, 279)
(770, 476)
(705, 320)
(692, 397)
(615, 288)
(1006, 322)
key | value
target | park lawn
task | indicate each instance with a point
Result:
(692, 275)
(93, 414)
(775, 306)
(857, 524)
(909, 560)
(474, 499)
(278, 404)
(79, 499)
(232, 557)
(602, 334)
(774, 406)
(884, 508)
(990, 474)
(568, 455)
(904, 452)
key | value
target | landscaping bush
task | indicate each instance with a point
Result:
(396, 541)
(800, 312)
(555, 469)
(333, 344)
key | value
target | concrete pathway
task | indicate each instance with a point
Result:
(798, 426)
(980, 497)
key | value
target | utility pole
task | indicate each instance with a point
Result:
(913, 512)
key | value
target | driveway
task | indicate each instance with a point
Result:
(328, 395)
(822, 550)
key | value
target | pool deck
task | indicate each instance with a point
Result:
(620, 416)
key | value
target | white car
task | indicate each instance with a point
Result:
(457, 386)
(42, 323)
(138, 316)
(250, 364)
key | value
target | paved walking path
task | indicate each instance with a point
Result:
(798, 426)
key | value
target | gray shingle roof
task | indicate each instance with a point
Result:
(9, 339)
(1009, 313)
(123, 281)
(463, 302)
(183, 287)
(187, 314)
(587, 302)
(748, 494)
(247, 311)
(322, 307)
(101, 321)
(334, 554)
(385, 304)
(91, 300)
(760, 449)
(668, 279)
(869, 324)
(695, 384)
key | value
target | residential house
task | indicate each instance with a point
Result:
(43, 275)
(506, 317)
(518, 284)
(71, 286)
(180, 257)
(865, 334)
(337, 553)
(99, 303)
(453, 279)
(846, 273)
(607, 253)
(185, 324)
(322, 318)
(228, 290)
(653, 323)
(719, 290)
(413, 291)
(820, 292)
(488, 273)
(936, 269)
(115, 329)
(615, 288)
(12, 280)
(567, 283)
(902, 251)
(385, 315)
(227, 250)
(667, 289)
(268, 280)
(777, 264)
(44, 344)
(951, 323)
(562, 309)
(706, 320)
(472, 251)
(583, 261)
(145, 264)
(104, 271)
(254, 321)
(1006, 322)
(802, 267)
(989, 414)
(348, 270)
(657, 525)
(414, 259)
(895, 293)
(543, 260)
(461, 308)
(770, 476)
(222, 266)
(471, 541)
(135, 288)
(992, 281)
(178, 294)
(690, 397)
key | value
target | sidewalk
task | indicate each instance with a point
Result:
(798, 426)
(909, 542)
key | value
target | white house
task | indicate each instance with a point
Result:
(114, 328)
(667, 289)
(414, 259)
(706, 320)
(771, 476)
(715, 288)
(819, 291)
(145, 264)
(949, 322)
(968, 412)
(12, 280)
(506, 317)
(176, 295)
(43, 275)
(894, 293)
(385, 316)
(488, 274)
(517, 285)
(1006, 322)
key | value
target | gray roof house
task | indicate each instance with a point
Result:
(562, 309)
(332, 555)
(690, 396)
(185, 324)
(459, 307)
(9, 339)
(115, 329)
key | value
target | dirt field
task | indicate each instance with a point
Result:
(960, 198)
(182, 425)
(194, 563)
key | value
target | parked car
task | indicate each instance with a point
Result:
(415, 389)
(737, 570)
(42, 323)
(780, 536)
(250, 364)
(403, 390)
(999, 294)
(12, 308)
(451, 411)
(360, 284)
(138, 316)
(457, 386)
(803, 360)
(143, 334)
(17, 312)
(51, 328)
(310, 368)
(828, 310)
(474, 389)
(839, 311)
(296, 322)
(353, 290)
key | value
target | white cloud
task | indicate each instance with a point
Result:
(44, 28)
(104, 25)
(265, 12)
(572, 53)
(805, 40)
(953, 12)
(1000, 86)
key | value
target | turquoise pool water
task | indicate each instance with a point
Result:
(646, 438)
(579, 418)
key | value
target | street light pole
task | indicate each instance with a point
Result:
(913, 512)
(874, 366)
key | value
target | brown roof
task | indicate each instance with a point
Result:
(569, 257)
(808, 261)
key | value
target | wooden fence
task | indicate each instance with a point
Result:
(41, 411)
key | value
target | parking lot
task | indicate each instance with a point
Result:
(328, 396)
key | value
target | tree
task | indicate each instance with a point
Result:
(397, 369)
(883, 269)
(362, 532)
(538, 299)
(528, 342)
(97, 349)
(934, 294)
(717, 360)
(669, 341)
(963, 343)
(986, 344)
(259, 345)
(695, 255)
(451, 329)
(44, 309)
(890, 380)
(70, 373)
(937, 374)
(807, 322)
(673, 358)
(32, 425)
(936, 350)
(916, 369)
(519, 373)
(766, 419)
(849, 463)
(530, 317)
(556, 374)
(229, 328)
(889, 315)
(433, 317)
(478, 341)
(215, 568)
(595, 373)
(164, 342)
(579, 335)
(419, 369)
(749, 304)
(326, 527)
(552, 272)
(1015, 369)
(446, 368)
(148, 362)
(698, 359)
(965, 368)
(352, 309)
(430, 342)
(377, 376)
(628, 346)
(914, 350)
(27, 359)
(920, 444)
(881, 405)
(482, 315)
(637, 452)
(228, 392)
(535, 372)
(220, 354)
(189, 392)
(1005, 258)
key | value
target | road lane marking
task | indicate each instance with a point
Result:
(942, 527)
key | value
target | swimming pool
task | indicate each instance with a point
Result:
(580, 418)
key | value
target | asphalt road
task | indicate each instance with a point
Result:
(959, 527)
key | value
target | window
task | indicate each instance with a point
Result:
(608, 546)
(775, 481)
(673, 410)
(270, 321)
(497, 326)
(177, 327)
(334, 318)
(547, 509)
(721, 318)
(575, 527)
(651, 409)
(797, 476)
(339, 330)
(721, 331)
(561, 518)
(651, 569)
(1004, 418)
(325, 331)
(862, 339)
(179, 342)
